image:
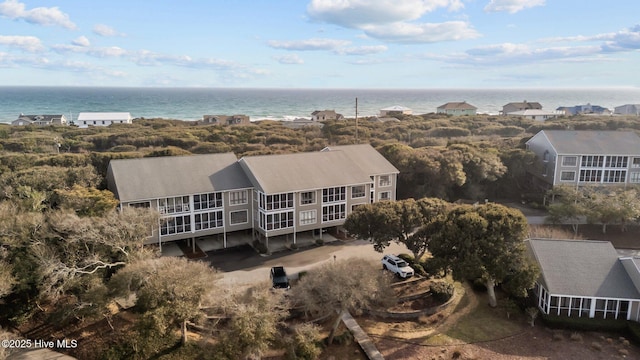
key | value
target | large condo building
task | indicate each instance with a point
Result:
(256, 197)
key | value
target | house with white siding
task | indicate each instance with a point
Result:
(585, 278)
(580, 158)
(255, 197)
(40, 120)
(86, 119)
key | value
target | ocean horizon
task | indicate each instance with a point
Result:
(282, 104)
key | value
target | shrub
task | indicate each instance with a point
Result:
(419, 269)
(406, 257)
(441, 290)
(260, 247)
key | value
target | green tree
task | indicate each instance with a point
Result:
(255, 318)
(86, 201)
(610, 206)
(567, 206)
(373, 222)
(348, 285)
(483, 241)
(169, 290)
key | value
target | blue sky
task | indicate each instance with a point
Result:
(321, 43)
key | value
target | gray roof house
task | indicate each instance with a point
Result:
(585, 278)
(457, 108)
(41, 120)
(586, 157)
(322, 115)
(224, 120)
(264, 196)
(628, 109)
(519, 106)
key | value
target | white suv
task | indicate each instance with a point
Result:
(397, 266)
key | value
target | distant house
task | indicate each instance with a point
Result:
(628, 109)
(538, 115)
(224, 120)
(86, 119)
(395, 110)
(520, 106)
(457, 108)
(40, 120)
(587, 157)
(300, 123)
(584, 278)
(322, 115)
(584, 109)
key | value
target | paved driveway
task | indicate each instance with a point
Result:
(243, 266)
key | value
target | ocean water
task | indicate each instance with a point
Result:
(282, 104)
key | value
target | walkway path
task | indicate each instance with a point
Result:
(361, 337)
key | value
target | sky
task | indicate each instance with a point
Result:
(408, 44)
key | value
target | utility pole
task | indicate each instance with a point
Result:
(356, 120)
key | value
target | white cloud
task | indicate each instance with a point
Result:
(356, 13)
(26, 43)
(81, 41)
(512, 6)
(290, 59)
(106, 31)
(99, 52)
(362, 50)
(309, 44)
(393, 20)
(41, 15)
(422, 33)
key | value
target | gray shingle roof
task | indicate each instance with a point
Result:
(582, 268)
(594, 142)
(367, 158)
(150, 178)
(457, 106)
(274, 174)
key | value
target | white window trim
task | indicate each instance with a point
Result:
(364, 192)
(240, 202)
(385, 184)
(564, 160)
(574, 176)
(384, 192)
(315, 198)
(301, 220)
(238, 211)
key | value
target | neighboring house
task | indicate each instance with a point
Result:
(224, 120)
(256, 197)
(457, 108)
(587, 157)
(585, 278)
(395, 110)
(628, 109)
(537, 115)
(300, 123)
(520, 106)
(584, 109)
(86, 119)
(322, 115)
(40, 120)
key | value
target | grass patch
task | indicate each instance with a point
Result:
(485, 323)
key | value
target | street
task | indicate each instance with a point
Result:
(243, 266)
